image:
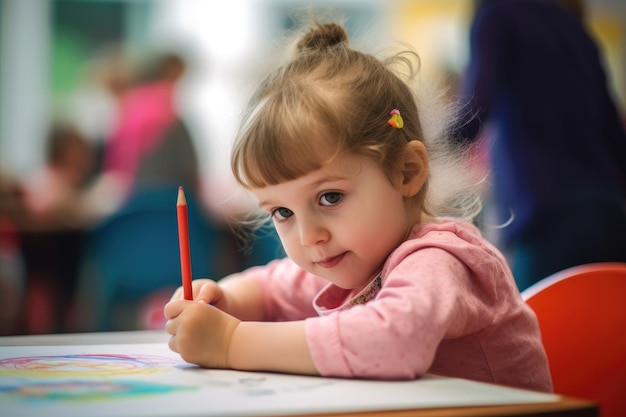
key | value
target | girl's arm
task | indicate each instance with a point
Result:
(242, 297)
(271, 346)
(211, 338)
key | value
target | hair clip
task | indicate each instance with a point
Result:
(396, 120)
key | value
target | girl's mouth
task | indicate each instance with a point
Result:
(332, 261)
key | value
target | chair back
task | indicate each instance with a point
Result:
(582, 316)
(135, 253)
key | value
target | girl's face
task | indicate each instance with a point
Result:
(340, 222)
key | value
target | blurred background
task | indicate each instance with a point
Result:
(88, 238)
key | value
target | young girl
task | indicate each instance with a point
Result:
(377, 282)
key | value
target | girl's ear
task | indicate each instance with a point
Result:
(415, 168)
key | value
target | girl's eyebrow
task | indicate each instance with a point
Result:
(263, 204)
(321, 181)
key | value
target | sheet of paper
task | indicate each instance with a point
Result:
(149, 380)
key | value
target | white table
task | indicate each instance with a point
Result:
(73, 374)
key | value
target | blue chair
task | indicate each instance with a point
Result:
(135, 253)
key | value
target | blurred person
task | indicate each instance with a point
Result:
(63, 192)
(51, 194)
(151, 145)
(61, 204)
(536, 82)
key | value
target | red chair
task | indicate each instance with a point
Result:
(582, 315)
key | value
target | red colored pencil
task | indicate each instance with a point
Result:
(183, 242)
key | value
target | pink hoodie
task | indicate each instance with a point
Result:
(445, 303)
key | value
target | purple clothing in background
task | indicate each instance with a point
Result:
(536, 76)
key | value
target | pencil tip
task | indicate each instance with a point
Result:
(181, 196)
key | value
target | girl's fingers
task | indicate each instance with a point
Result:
(198, 289)
(209, 293)
(171, 327)
(173, 345)
(174, 308)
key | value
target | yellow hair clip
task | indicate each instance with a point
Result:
(396, 120)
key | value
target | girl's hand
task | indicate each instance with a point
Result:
(201, 333)
(241, 298)
(204, 290)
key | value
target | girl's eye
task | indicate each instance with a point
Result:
(330, 199)
(282, 213)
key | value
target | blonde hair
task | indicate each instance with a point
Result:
(330, 99)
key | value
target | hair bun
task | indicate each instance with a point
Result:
(322, 36)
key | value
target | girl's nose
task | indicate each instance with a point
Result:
(313, 233)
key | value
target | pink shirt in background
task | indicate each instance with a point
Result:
(146, 113)
(445, 303)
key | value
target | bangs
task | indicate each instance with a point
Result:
(282, 141)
